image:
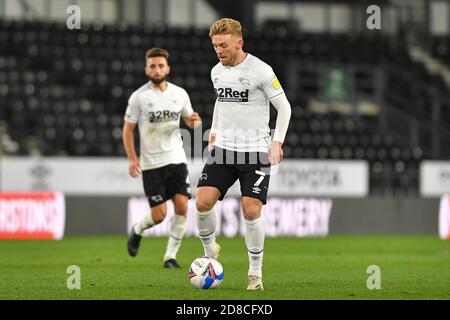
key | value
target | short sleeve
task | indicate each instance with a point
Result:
(133, 109)
(187, 106)
(270, 84)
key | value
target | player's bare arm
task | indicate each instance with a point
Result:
(134, 167)
(193, 121)
(212, 133)
(211, 140)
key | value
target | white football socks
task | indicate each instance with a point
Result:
(145, 223)
(206, 224)
(177, 230)
(254, 239)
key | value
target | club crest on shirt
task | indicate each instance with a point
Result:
(244, 82)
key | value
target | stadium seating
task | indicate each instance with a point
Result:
(440, 47)
(64, 92)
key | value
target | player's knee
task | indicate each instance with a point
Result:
(181, 208)
(251, 210)
(158, 215)
(203, 204)
(251, 214)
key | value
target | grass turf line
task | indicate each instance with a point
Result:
(412, 267)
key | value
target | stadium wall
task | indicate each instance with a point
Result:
(307, 198)
(384, 215)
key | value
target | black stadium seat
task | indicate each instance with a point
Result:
(65, 92)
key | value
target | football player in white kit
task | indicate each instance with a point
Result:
(241, 146)
(156, 108)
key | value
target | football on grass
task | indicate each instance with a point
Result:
(205, 273)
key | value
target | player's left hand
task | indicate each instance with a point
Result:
(275, 153)
(194, 120)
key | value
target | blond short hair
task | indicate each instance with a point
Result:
(225, 26)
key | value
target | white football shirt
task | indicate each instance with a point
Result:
(242, 105)
(158, 115)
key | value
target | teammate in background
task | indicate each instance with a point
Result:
(156, 108)
(240, 132)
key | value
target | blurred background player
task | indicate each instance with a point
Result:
(242, 148)
(156, 108)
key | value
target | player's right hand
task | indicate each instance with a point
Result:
(134, 168)
(195, 120)
(275, 153)
(211, 140)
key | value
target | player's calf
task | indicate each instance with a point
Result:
(159, 213)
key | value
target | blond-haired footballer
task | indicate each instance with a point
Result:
(241, 147)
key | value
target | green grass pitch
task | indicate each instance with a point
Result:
(412, 267)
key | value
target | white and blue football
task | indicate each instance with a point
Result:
(205, 273)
